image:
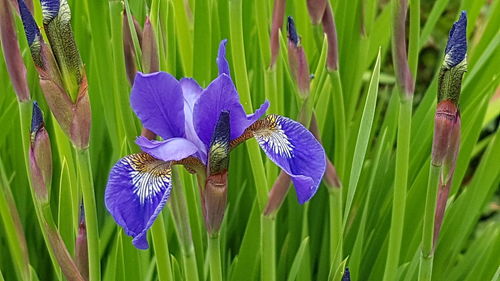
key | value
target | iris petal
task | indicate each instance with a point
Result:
(158, 102)
(30, 27)
(192, 92)
(220, 96)
(173, 149)
(295, 150)
(456, 48)
(137, 190)
(50, 9)
(222, 63)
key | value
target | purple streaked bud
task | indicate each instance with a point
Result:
(297, 60)
(81, 248)
(33, 35)
(215, 192)
(40, 156)
(278, 15)
(456, 48)
(316, 10)
(402, 70)
(277, 194)
(50, 9)
(446, 120)
(11, 52)
(328, 21)
(149, 49)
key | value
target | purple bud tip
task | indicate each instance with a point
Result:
(30, 27)
(50, 9)
(36, 119)
(81, 218)
(292, 31)
(347, 275)
(456, 48)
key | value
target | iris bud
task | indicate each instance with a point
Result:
(215, 192)
(128, 46)
(446, 121)
(328, 22)
(278, 193)
(12, 54)
(149, 49)
(297, 60)
(402, 70)
(316, 10)
(40, 156)
(57, 23)
(347, 275)
(278, 15)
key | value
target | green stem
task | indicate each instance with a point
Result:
(214, 258)
(190, 266)
(160, 245)
(336, 230)
(427, 258)
(268, 247)
(400, 187)
(87, 185)
(340, 123)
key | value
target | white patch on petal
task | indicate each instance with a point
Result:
(149, 177)
(274, 137)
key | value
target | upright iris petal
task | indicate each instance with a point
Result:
(137, 190)
(456, 48)
(158, 101)
(221, 96)
(295, 150)
(222, 63)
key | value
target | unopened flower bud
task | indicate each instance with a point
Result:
(402, 70)
(278, 15)
(57, 22)
(32, 33)
(328, 22)
(316, 10)
(215, 192)
(446, 121)
(11, 52)
(40, 156)
(278, 193)
(81, 248)
(297, 60)
(149, 49)
(455, 62)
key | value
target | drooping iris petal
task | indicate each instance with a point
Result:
(456, 48)
(50, 9)
(220, 96)
(168, 150)
(295, 150)
(222, 63)
(137, 190)
(158, 102)
(192, 92)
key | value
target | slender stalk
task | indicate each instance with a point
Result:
(427, 257)
(400, 186)
(340, 120)
(268, 246)
(336, 230)
(190, 266)
(87, 185)
(160, 245)
(214, 258)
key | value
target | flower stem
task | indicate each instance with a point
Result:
(87, 185)
(400, 186)
(268, 247)
(427, 256)
(336, 230)
(214, 256)
(160, 245)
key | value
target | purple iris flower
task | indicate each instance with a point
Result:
(184, 115)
